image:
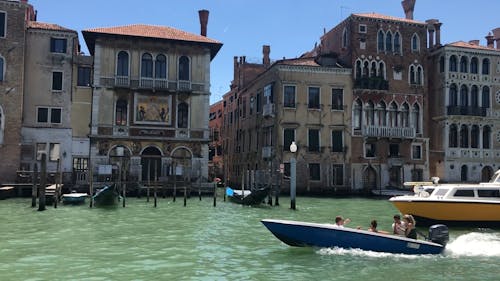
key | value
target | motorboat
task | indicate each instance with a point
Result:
(106, 196)
(302, 234)
(460, 204)
(74, 198)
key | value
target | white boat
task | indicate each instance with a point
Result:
(74, 198)
(453, 204)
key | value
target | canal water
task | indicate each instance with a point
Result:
(226, 242)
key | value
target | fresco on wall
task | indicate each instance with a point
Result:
(152, 109)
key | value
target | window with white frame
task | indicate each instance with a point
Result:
(313, 101)
(288, 137)
(313, 140)
(362, 28)
(337, 99)
(49, 115)
(58, 45)
(54, 151)
(122, 64)
(415, 43)
(397, 43)
(344, 38)
(370, 150)
(2, 68)
(84, 74)
(161, 67)
(337, 141)
(289, 96)
(184, 71)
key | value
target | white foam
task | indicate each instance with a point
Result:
(475, 244)
(363, 253)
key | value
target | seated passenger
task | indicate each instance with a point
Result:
(410, 231)
(373, 228)
(339, 221)
(398, 227)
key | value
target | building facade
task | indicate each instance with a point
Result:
(301, 100)
(464, 116)
(215, 159)
(47, 127)
(14, 17)
(388, 56)
(150, 103)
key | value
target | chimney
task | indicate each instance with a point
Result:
(437, 27)
(474, 42)
(496, 34)
(490, 41)
(266, 49)
(408, 7)
(203, 21)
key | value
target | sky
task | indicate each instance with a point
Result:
(290, 27)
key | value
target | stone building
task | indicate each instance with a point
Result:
(215, 159)
(305, 100)
(150, 104)
(14, 17)
(47, 127)
(464, 115)
(388, 56)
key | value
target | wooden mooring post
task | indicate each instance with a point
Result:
(175, 181)
(43, 179)
(215, 194)
(58, 183)
(185, 192)
(156, 182)
(34, 186)
(149, 180)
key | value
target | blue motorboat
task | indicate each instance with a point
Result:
(301, 234)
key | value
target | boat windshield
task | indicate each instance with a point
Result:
(488, 193)
(495, 178)
(464, 193)
(441, 191)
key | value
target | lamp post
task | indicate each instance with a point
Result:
(293, 175)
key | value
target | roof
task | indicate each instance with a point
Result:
(384, 17)
(48, 26)
(149, 31)
(306, 61)
(463, 44)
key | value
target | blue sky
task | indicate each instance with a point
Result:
(290, 27)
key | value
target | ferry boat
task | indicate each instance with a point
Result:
(462, 204)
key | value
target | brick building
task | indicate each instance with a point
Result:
(215, 159)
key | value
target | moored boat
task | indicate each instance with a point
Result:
(6, 192)
(247, 197)
(106, 196)
(475, 205)
(74, 198)
(301, 234)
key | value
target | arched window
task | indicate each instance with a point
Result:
(486, 137)
(453, 95)
(2, 124)
(405, 115)
(357, 113)
(122, 64)
(397, 43)
(474, 96)
(463, 64)
(415, 43)
(420, 75)
(464, 96)
(474, 136)
(370, 114)
(486, 66)
(464, 136)
(441, 64)
(382, 114)
(416, 118)
(147, 66)
(485, 99)
(373, 69)
(473, 65)
(381, 70)
(2, 68)
(388, 42)
(453, 63)
(366, 70)
(393, 115)
(344, 38)
(121, 112)
(184, 68)
(161, 67)
(412, 74)
(463, 173)
(358, 69)
(380, 41)
(453, 136)
(182, 115)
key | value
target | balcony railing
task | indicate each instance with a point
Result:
(184, 85)
(388, 132)
(467, 110)
(372, 83)
(122, 81)
(151, 83)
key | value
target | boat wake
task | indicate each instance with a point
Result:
(362, 253)
(475, 244)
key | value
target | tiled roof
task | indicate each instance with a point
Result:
(152, 31)
(48, 26)
(463, 44)
(384, 17)
(308, 61)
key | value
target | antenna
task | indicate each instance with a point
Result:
(342, 8)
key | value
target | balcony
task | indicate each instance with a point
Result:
(151, 83)
(184, 85)
(371, 83)
(268, 110)
(122, 81)
(467, 110)
(388, 132)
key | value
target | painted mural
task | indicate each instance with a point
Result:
(152, 109)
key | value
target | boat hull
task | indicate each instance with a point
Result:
(74, 198)
(303, 234)
(255, 197)
(451, 213)
(107, 196)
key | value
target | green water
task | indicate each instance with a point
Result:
(228, 242)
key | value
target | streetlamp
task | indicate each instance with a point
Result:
(293, 175)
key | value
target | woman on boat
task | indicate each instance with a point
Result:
(373, 227)
(410, 230)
